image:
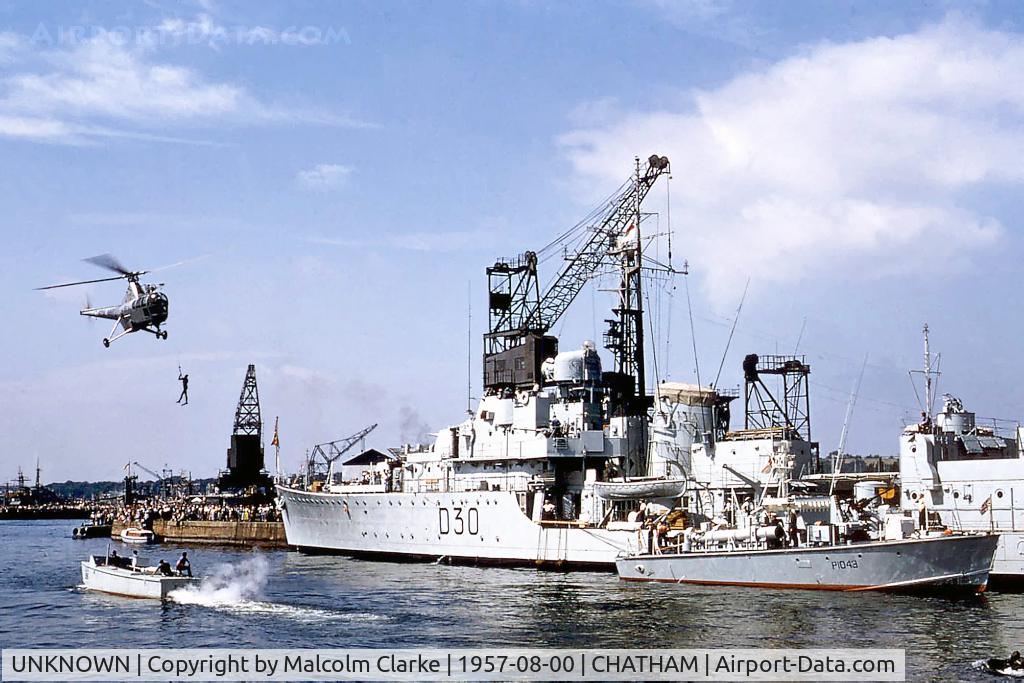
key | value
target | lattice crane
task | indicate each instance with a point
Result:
(520, 316)
(325, 454)
(159, 478)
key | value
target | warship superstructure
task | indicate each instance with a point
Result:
(520, 479)
(692, 436)
(958, 473)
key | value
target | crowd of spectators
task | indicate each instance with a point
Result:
(186, 510)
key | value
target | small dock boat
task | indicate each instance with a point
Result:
(137, 536)
(119, 576)
(91, 530)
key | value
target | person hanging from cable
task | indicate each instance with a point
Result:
(184, 387)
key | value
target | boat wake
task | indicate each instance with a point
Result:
(227, 584)
(298, 612)
(238, 588)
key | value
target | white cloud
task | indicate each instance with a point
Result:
(10, 44)
(323, 177)
(34, 128)
(78, 92)
(108, 86)
(846, 159)
(719, 20)
(102, 78)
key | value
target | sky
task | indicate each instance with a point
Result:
(337, 176)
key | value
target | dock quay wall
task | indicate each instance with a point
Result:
(230, 532)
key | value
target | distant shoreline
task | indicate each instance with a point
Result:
(28, 513)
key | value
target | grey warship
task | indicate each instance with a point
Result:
(956, 563)
(518, 480)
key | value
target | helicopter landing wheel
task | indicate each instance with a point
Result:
(106, 343)
(163, 334)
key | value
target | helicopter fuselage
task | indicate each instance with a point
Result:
(144, 309)
(148, 310)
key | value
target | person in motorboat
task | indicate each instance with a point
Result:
(183, 567)
(115, 560)
(164, 568)
(1013, 665)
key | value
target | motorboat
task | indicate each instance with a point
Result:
(123, 576)
(91, 529)
(137, 536)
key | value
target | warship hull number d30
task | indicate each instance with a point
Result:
(458, 521)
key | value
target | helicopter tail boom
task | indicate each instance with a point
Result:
(110, 313)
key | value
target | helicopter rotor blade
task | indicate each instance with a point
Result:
(88, 307)
(83, 282)
(109, 262)
(179, 263)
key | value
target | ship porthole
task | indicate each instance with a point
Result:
(999, 494)
(956, 494)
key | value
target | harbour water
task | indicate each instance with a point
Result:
(285, 599)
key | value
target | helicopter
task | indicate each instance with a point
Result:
(144, 307)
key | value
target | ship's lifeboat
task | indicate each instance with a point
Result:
(640, 488)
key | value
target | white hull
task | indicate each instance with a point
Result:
(956, 489)
(1009, 562)
(133, 584)
(478, 527)
(137, 536)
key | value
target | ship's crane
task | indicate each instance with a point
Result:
(520, 316)
(324, 455)
(159, 479)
